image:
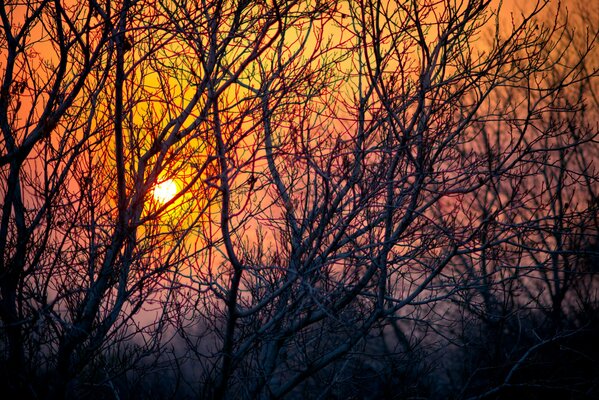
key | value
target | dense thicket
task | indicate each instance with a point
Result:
(374, 199)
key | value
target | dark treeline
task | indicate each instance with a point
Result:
(299, 199)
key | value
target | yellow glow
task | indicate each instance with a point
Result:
(165, 191)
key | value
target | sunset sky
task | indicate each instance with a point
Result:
(291, 199)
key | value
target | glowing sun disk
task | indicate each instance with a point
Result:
(165, 191)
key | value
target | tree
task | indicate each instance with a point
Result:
(350, 176)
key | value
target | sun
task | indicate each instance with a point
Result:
(165, 191)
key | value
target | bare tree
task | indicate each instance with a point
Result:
(528, 288)
(367, 208)
(344, 178)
